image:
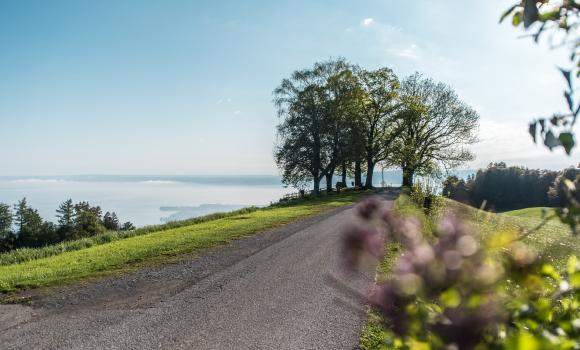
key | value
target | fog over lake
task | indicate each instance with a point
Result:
(147, 200)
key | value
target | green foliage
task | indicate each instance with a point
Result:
(435, 128)
(66, 216)
(336, 114)
(501, 296)
(503, 188)
(75, 221)
(111, 222)
(557, 17)
(7, 238)
(29, 225)
(87, 220)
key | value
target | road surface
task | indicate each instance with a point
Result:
(268, 291)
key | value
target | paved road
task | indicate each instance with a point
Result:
(269, 291)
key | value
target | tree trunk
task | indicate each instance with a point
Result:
(357, 174)
(408, 174)
(344, 175)
(316, 190)
(329, 182)
(370, 171)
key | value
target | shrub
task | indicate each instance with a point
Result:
(453, 292)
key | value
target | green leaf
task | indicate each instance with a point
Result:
(575, 280)
(517, 19)
(550, 271)
(567, 141)
(526, 341)
(508, 12)
(450, 298)
(572, 265)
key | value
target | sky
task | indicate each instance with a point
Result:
(185, 87)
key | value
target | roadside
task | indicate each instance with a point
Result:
(264, 291)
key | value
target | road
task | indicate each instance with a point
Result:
(268, 291)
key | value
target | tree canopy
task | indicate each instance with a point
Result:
(337, 115)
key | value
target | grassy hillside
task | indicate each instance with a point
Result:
(531, 212)
(159, 246)
(553, 241)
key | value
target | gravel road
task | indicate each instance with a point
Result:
(268, 291)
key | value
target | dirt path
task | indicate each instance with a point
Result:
(268, 291)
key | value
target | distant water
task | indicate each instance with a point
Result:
(147, 200)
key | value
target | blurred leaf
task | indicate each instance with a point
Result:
(569, 100)
(525, 341)
(550, 271)
(572, 264)
(567, 141)
(550, 15)
(508, 12)
(531, 13)
(575, 280)
(517, 19)
(532, 130)
(568, 76)
(450, 298)
(551, 141)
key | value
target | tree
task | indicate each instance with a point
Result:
(436, 128)
(307, 147)
(87, 220)
(29, 224)
(66, 220)
(111, 222)
(378, 107)
(7, 237)
(127, 226)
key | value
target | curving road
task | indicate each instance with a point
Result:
(269, 291)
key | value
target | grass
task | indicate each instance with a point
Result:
(534, 213)
(553, 241)
(158, 245)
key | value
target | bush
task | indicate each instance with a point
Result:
(454, 292)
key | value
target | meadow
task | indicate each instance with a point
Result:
(100, 256)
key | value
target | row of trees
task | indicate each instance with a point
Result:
(24, 227)
(508, 188)
(338, 118)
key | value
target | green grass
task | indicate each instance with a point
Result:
(159, 246)
(531, 212)
(553, 241)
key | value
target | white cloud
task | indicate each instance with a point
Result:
(238, 112)
(406, 51)
(510, 142)
(367, 22)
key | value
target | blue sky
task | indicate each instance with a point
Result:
(185, 87)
